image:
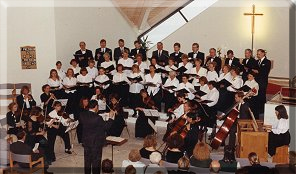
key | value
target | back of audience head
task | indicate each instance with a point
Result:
(184, 163)
(155, 157)
(21, 135)
(201, 151)
(175, 141)
(130, 170)
(150, 141)
(253, 158)
(134, 155)
(215, 166)
(107, 166)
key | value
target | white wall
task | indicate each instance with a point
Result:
(89, 24)
(226, 27)
(33, 27)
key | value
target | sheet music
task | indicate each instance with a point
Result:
(63, 102)
(151, 112)
(105, 116)
(114, 139)
(35, 147)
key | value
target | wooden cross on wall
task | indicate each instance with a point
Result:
(253, 14)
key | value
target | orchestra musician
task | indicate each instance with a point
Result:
(142, 127)
(100, 98)
(118, 123)
(25, 102)
(13, 119)
(55, 83)
(47, 99)
(57, 127)
(177, 110)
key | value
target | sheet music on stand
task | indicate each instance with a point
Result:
(151, 113)
(114, 139)
(63, 101)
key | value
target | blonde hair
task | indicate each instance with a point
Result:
(150, 141)
(184, 163)
(201, 151)
(134, 155)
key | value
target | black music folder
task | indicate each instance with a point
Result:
(137, 79)
(224, 82)
(110, 68)
(182, 69)
(244, 88)
(200, 93)
(150, 84)
(185, 91)
(103, 83)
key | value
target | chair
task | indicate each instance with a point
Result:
(33, 165)
(281, 155)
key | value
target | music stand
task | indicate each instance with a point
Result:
(115, 141)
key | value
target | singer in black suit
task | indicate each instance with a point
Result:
(83, 55)
(262, 70)
(93, 137)
(138, 50)
(119, 50)
(196, 54)
(248, 64)
(177, 54)
(235, 61)
(161, 55)
(99, 54)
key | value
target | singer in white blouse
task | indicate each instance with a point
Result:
(85, 82)
(126, 62)
(251, 82)
(225, 73)
(185, 62)
(279, 134)
(236, 81)
(212, 74)
(55, 83)
(154, 91)
(142, 65)
(108, 63)
(171, 65)
(91, 69)
(101, 78)
(168, 96)
(135, 87)
(198, 70)
(60, 71)
(69, 81)
(185, 84)
(120, 84)
(75, 67)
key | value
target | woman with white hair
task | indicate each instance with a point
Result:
(156, 164)
(169, 94)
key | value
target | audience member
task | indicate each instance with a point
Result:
(156, 164)
(149, 146)
(107, 166)
(134, 160)
(201, 156)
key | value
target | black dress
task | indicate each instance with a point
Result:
(142, 127)
(12, 119)
(48, 108)
(145, 153)
(173, 157)
(118, 123)
(191, 139)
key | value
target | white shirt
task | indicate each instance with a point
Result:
(204, 88)
(213, 95)
(281, 127)
(135, 88)
(84, 79)
(26, 101)
(179, 111)
(226, 76)
(119, 77)
(201, 72)
(53, 114)
(170, 68)
(54, 83)
(237, 82)
(107, 64)
(212, 76)
(102, 104)
(253, 84)
(93, 72)
(76, 70)
(61, 73)
(189, 87)
(142, 66)
(156, 79)
(126, 63)
(70, 82)
(102, 79)
(188, 66)
(138, 165)
(171, 82)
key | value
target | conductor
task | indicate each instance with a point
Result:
(94, 137)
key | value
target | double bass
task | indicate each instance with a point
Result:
(231, 117)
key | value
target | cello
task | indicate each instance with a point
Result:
(231, 118)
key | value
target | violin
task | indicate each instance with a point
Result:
(63, 114)
(149, 102)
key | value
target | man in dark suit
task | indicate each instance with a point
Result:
(119, 50)
(248, 64)
(83, 55)
(94, 137)
(177, 54)
(196, 54)
(21, 148)
(161, 55)
(262, 70)
(99, 54)
(138, 50)
(213, 58)
(231, 60)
